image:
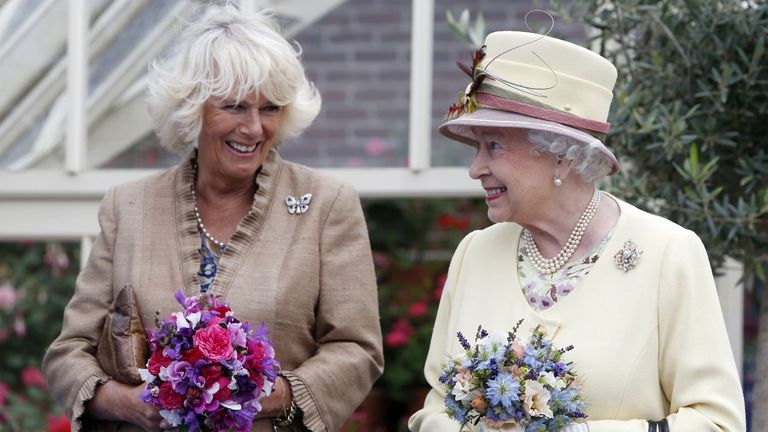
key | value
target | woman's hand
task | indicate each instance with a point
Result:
(278, 402)
(117, 401)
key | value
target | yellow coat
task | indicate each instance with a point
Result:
(649, 343)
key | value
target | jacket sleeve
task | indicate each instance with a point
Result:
(432, 417)
(70, 364)
(328, 386)
(697, 370)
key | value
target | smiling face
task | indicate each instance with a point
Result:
(236, 136)
(516, 182)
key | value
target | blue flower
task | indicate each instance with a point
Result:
(560, 369)
(491, 351)
(455, 409)
(566, 401)
(503, 390)
(538, 425)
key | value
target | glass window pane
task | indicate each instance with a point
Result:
(358, 56)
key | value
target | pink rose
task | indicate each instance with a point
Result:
(214, 342)
(168, 397)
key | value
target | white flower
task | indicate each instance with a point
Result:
(462, 392)
(554, 382)
(171, 416)
(146, 375)
(231, 405)
(536, 401)
(181, 322)
(193, 318)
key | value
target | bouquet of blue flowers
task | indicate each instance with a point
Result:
(521, 386)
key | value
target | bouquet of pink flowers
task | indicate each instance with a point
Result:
(501, 382)
(208, 371)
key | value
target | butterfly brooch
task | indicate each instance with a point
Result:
(300, 206)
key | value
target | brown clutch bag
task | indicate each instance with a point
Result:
(123, 345)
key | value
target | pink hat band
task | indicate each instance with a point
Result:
(593, 127)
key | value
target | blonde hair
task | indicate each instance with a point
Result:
(228, 52)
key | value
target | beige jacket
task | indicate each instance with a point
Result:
(308, 277)
(650, 343)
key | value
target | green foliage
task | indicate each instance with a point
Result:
(43, 277)
(36, 282)
(412, 242)
(689, 115)
(472, 34)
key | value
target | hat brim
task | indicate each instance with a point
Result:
(459, 129)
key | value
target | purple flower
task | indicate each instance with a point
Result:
(463, 341)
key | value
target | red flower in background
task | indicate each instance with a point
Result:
(401, 333)
(440, 285)
(446, 221)
(3, 393)
(418, 309)
(58, 424)
(32, 377)
(56, 259)
(381, 260)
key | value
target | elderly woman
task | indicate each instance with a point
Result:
(281, 243)
(631, 291)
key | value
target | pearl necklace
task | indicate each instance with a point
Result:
(551, 265)
(200, 224)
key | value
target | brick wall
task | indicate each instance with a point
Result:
(359, 57)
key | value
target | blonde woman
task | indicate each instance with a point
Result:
(283, 244)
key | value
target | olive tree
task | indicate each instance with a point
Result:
(690, 120)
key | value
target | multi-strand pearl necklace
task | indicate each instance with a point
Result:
(551, 265)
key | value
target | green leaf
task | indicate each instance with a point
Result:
(693, 158)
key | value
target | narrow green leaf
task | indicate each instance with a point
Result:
(693, 157)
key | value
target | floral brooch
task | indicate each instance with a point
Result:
(627, 257)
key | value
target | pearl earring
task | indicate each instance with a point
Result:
(558, 181)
